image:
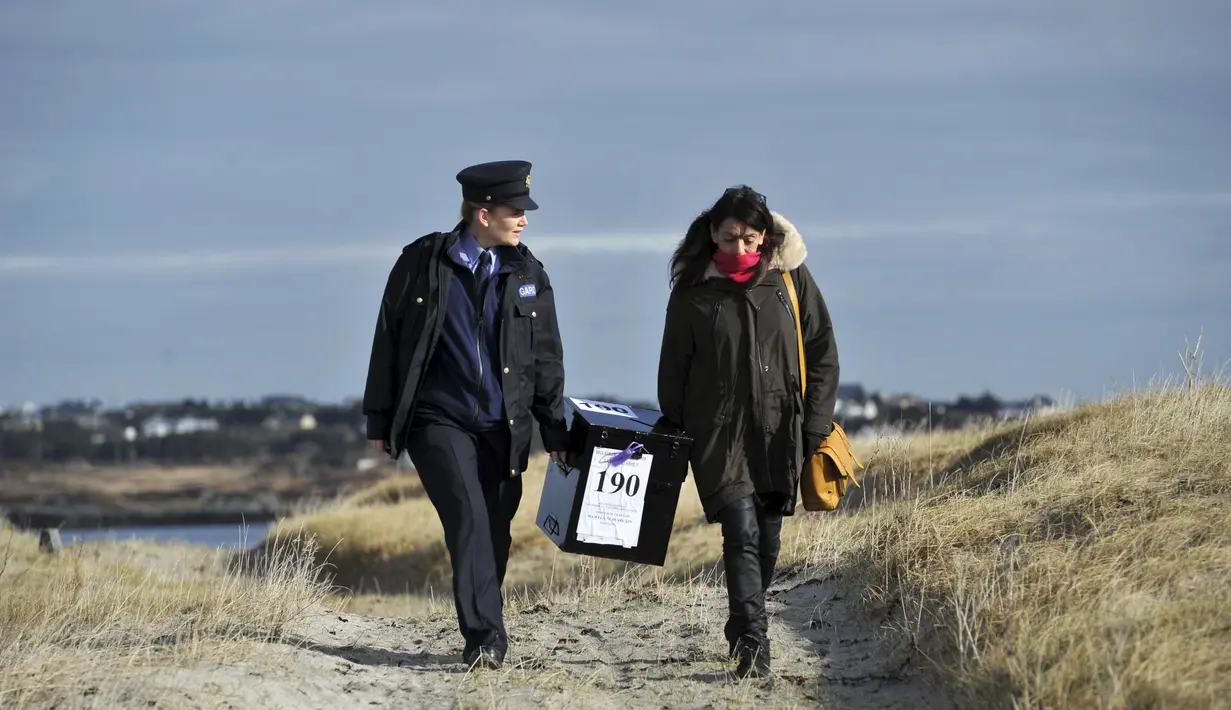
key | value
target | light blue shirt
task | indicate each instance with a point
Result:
(467, 250)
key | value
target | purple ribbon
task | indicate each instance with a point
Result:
(619, 459)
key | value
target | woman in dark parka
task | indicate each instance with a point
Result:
(728, 374)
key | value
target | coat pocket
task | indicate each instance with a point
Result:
(525, 317)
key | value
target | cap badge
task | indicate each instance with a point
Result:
(527, 180)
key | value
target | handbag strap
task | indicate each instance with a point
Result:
(799, 338)
(799, 333)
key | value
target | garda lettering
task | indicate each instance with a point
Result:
(526, 291)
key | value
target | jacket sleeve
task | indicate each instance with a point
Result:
(548, 402)
(821, 353)
(379, 396)
(674, 358)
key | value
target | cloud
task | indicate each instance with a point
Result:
(1049, 217)
(300, 256)
(290, 256)
(1213, 199)
(145, 262)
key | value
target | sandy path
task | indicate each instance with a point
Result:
(660, 648)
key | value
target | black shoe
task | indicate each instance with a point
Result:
(484, 657)
(754, 659)
(731, 631)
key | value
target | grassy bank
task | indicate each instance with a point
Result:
(1078, 560)
(81, 629)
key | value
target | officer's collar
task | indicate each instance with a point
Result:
(458, 237)
(468, 247)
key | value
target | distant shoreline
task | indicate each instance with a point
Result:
(33, 517)
(181, 495)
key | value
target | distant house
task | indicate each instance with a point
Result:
(289, 422)
(854, 407)
(158, 426)
(866, 410)
(89, 415)
(906, 401)
(1035, 406)
(22, 417)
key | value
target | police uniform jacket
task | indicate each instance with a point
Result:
(409, 326)
(729, 375)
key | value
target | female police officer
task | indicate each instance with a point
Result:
(467, 350)
(728, 374)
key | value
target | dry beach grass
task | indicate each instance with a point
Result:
(1080, 559)
(84, 627)
(1076, 560)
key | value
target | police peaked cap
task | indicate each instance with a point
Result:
(503, 182)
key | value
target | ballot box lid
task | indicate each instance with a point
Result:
(619, 416)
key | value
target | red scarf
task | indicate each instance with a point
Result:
(739, 268)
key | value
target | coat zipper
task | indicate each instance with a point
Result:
(722, 394)
(791, 314)
(478, 341)
(760, 381)
(795, 387)
(787, 306)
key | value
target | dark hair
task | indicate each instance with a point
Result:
(740, 203)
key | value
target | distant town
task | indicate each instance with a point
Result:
(308, 434)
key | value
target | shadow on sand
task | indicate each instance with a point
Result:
(367, 656)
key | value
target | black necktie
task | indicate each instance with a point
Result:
(485, 265)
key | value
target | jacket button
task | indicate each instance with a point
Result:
(534, 314)
(419, 300)
(512, 471)
(510, 422)
(506, 370)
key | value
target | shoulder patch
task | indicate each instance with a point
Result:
(527, 291)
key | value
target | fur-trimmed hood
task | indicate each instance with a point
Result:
(788, 257)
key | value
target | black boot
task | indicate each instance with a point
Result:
(484, 657)
(741, 554)
(769, 524)
(754, 659)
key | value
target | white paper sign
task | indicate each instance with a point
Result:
(603, 407)
(614, 500)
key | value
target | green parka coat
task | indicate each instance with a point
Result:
(728, 374)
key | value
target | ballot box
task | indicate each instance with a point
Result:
(617, 496)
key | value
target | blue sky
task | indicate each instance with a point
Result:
(205, 200)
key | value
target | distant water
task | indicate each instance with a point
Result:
(229, 535)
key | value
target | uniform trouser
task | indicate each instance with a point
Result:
(465, 478)
(751, 538)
